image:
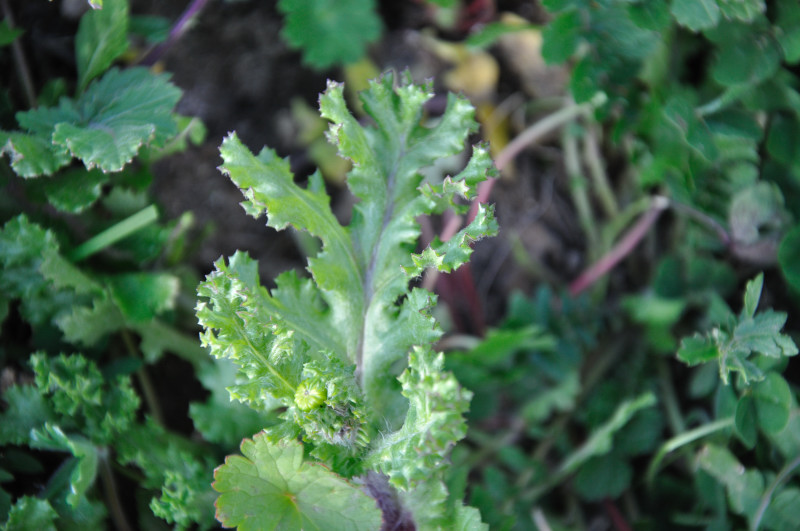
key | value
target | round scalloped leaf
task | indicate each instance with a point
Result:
(271, 487)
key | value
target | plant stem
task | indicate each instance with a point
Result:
(112, 495)
(113, 234)
(148, 390)
(731, 95)
(594, 162)
(545, 126)
(579, 192)
(621, 249)
(785, 472)
(20, 64)
(683, 439)
(704, 219)
(670, 399)
(175, 33)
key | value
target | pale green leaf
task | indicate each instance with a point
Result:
(434, 423)
(601, 440)
(744, 10)
(102, 37)
(696, 14)
(25, 410)
(29, 513)
(752, 295)
(272, 487)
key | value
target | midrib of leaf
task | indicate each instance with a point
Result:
(368, 287)
(260, 356)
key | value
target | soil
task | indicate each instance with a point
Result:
(237, 74)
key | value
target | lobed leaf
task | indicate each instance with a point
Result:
(272, 487)
(330, 32)
(108, 124)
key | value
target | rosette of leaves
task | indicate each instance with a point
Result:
(329, 347)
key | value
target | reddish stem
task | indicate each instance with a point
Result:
(616, 517)
(178, 29)
(622, 249)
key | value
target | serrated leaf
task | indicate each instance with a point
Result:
(697, 349)
(100, 408)
(219, 419)
(174, 465)
(102, 37)
(31, 513)
(434, 423)
(108, 124)
(74, 190)
(359, 274)
(25, 410)
(696, 14)
(272, 487)
(32, 155)
(330, 32)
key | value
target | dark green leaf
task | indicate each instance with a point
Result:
(773, 403)
(26, 409)
(102, 37)
(8, 34)
(108, 124)
(789, 257)
(745, 421)
(602, 477)
(561, 37)
(84, 467)
(782, 140)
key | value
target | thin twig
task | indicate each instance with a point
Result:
(112, 495)
(621, 249)
(785, 472)
(594, 163)
(178, 29)
(148, 390)
(20, 64)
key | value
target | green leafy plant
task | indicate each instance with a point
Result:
(90, 282)
(347, 352)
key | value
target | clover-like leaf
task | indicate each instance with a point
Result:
(272, 487)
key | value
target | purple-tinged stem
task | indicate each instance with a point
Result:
(622, 249)
(178, 29)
